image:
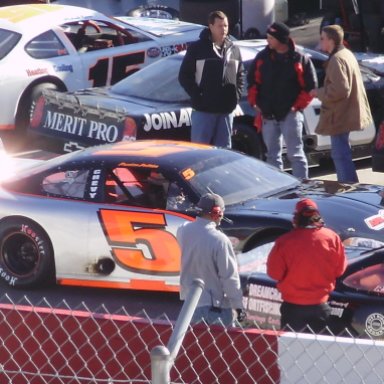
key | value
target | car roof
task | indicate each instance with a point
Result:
(160, 27)
(145, 149)
(24, 18)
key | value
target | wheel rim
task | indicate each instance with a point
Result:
(20, 254)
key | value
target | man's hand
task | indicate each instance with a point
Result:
(241, 315)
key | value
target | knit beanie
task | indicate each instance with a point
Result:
(279, 31)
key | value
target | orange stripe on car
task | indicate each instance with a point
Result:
(146, 285)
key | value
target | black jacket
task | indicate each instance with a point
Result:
(213, 81)
(279, 82)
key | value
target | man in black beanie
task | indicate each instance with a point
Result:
(279, 81)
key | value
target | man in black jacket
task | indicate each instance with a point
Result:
(279, 83)
(213, 75)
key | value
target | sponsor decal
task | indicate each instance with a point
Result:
(263, 299)
(172, 49)
(374, 324)
(261, 291)
(376, 222)
(63, 68)
(379, 289)
(80, 126)
(263, 306)
(11, 280)
(153, 52)
(72, 146)
(337, 308)
(167, 120)
(37, 72)
(95, 182)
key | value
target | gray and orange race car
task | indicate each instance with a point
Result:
(107, 216)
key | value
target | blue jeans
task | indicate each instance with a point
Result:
(223, 316)
(212, 128)
(342, 158)
(291, 129)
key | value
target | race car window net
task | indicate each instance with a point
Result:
(8, 40)
(237, 178)
(70, 184)
(370, 279)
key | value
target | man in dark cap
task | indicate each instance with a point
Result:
(207, 254)
(279, 81)
(306, 262)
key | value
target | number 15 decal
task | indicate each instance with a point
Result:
(122, 66)
(140, 242)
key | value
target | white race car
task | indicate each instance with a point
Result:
(67, 48)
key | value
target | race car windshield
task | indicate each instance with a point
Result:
(156, 82)
(237, 178)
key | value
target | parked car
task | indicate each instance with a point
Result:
(152, 104)
(51, 46)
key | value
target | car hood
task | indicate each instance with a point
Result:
(351, 210)
(103, 99)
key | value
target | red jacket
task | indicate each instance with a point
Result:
(306, 263)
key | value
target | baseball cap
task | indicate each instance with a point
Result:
(279, 31)
(210, 200)
(306, 205)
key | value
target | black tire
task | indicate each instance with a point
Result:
(26, 254)
(156, 11)
(247, 140)
(24, 114)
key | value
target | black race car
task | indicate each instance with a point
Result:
(151, 104)
(357, 302)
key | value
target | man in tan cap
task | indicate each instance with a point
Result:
(344, 102)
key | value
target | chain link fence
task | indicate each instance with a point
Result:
(56, 345)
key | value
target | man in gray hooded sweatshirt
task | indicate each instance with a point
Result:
(207, 254)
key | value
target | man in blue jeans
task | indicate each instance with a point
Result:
(213, 75)
(279, 81)
(344, 102)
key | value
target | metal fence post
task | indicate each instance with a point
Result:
(162, 358)
(184, 318)
(160, 365)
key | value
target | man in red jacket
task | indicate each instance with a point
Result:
(306, 262)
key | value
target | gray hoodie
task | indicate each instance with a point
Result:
(207, 253)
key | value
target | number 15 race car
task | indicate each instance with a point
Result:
(50, 46)
(107, 216)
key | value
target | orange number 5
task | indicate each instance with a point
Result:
(140, 242)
